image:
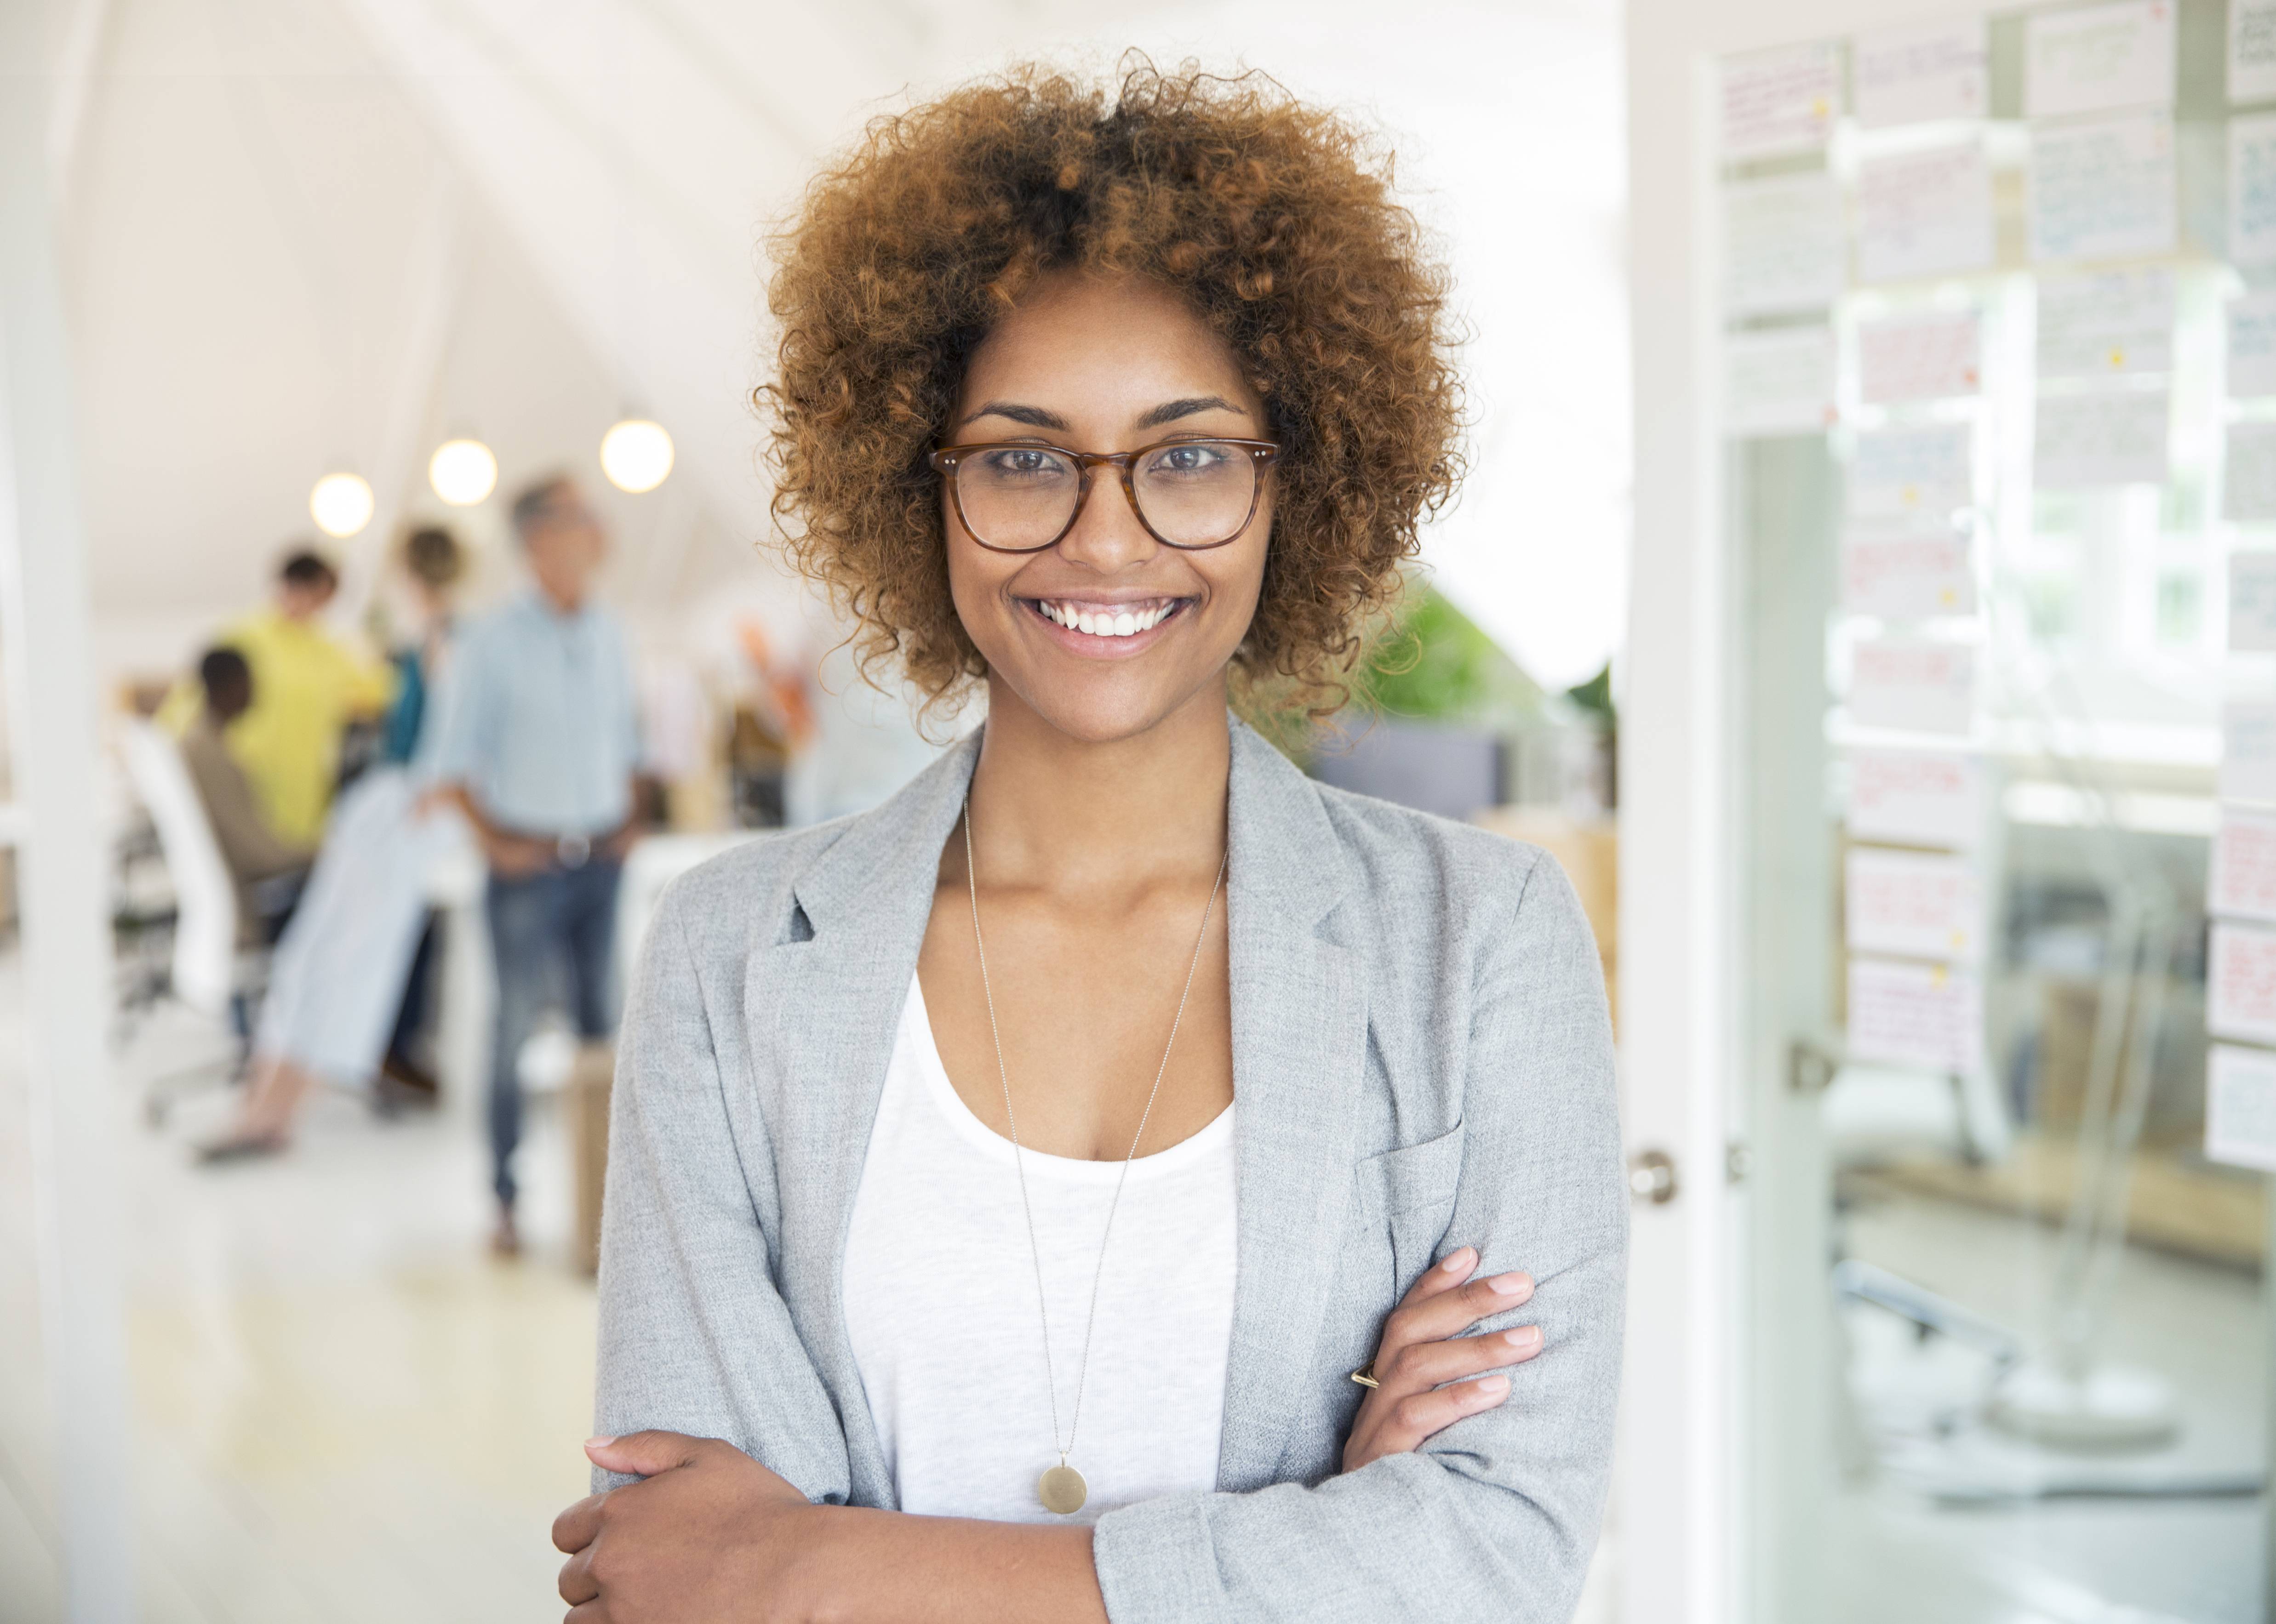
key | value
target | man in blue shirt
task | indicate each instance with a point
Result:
(538, 744)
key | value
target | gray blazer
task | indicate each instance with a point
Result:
(1422, 1060)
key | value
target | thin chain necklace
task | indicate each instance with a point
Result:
(1061, 1488)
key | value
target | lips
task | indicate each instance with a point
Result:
(1107, 620)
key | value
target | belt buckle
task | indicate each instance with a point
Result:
(573, 850)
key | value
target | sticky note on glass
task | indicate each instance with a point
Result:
(1913, 686)
(2252, 602)
(2241, 983)
(2252, 346)
(2105, 324)
(2241, 1108)
(1920, 73)
(1783, 246)
(1927, 1016)
(1924, 214)
(2248, 751)
(1777, 382)
(2086, 442)
(2242, 880)
(2097, 58)
(1899, 573)
(2102, 188)
(1919, 357)
(2252, 190)
(1923, 475)
(1913, 904)
(1780, 100)
(1921, 797)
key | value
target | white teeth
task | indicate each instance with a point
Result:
(1106, 622)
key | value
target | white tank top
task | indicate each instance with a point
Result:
(940, 1304)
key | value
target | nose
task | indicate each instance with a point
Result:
(1107, 534)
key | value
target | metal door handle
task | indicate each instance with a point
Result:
(1651, 1177)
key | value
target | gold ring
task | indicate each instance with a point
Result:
(1365, 1375)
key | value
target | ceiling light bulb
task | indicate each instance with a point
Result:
(462, 471)
(636, 455)
(340, 504)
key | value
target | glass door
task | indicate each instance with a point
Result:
(1996, 428)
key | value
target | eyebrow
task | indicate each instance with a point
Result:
(1168, 411)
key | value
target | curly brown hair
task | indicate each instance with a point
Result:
(1276, 220)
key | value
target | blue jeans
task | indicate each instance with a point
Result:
(551, 934)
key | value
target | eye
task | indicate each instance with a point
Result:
(1189, 458)
(1020, 461)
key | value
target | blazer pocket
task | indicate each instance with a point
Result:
(1412, 1190)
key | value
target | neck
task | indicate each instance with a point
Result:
(1064, 814)
(561, 601)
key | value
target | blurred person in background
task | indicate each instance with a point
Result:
(1125, 403)
(539, 748)
(348, 979)
(308, 687)
(265, 867)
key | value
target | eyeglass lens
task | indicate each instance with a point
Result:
(1196, 493)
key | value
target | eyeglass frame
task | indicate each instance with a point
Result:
(1262, 454)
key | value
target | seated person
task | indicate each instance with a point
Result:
(264, 866)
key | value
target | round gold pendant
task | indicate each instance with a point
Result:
(1062, 1490)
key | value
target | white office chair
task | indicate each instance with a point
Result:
(209, 975)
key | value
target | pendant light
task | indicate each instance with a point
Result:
(462, 471)
(341, 504)
(636, 455)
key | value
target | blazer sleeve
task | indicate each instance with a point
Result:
(694, 1336)
(1496, 1517)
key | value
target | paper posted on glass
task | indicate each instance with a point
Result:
(2241, 983)
(2252, 190)
(2251, 51)
(1925, 474)
(1924, 214)
(1778, 381)
(2248, 488)
(2102, 188)
(1899, 571)
(2105, 324)
(1913, 904)
(2241, 882)
(1783, 249)
(1927, 1016)
(2252, 346)
(2248, 751)
(1780, 101)
(2085, 442)
(1913, 686)
(1919, 357)
(2098, 58)
(1920, 797)
(1920, 73)
(2241, 1106)
(2252, 602)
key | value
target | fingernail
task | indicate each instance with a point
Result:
(1459, 1259)
(598, 1443)
(1512, 1285)
(1493, 1387)
(1524, 1336)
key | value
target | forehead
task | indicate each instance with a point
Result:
(1077, 338)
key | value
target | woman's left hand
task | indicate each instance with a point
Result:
(1423, 1364)
(711, 1536)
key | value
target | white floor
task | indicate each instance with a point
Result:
(345, 1409)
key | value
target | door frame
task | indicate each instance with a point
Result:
(1682, 1541)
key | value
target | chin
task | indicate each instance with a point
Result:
(1104, 712)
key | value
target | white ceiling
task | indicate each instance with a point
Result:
(302, 234)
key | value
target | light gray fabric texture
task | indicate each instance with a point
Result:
(1422, 1060)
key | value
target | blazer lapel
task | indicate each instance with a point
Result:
(1299, 1060)
(826, 1008)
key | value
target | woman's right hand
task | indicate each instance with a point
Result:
(1422, 1348)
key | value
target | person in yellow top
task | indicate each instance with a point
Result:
(307, 688)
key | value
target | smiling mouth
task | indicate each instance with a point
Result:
(1107, 620)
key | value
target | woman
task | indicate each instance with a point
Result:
(1063, 1149)
(337, 988)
